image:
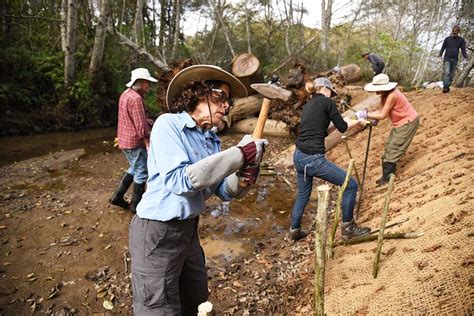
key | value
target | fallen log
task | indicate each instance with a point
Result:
(62, 159)
(245, 107)
(351, 73)
(246, 67)
(124, 40)
(285, 159)
(272, 127)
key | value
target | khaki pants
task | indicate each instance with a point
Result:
(399, 140)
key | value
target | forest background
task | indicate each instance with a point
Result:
(64, 63)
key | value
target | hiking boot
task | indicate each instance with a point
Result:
(387, 169)
(297, 234)
(446, 90)
(350, 230)
(117, 198)
(138, 190)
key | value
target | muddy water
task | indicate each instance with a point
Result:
(229, 229)
(20, 148)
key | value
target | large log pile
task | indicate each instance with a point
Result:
(284, 116)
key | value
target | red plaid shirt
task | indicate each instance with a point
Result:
(133, 126)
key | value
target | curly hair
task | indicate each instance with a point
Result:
(190, 94)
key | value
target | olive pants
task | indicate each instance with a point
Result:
(399, 140)
(169, 275)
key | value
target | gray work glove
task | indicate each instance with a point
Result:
(252, 149)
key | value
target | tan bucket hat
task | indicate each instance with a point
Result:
(204, 72)
(380, 82)
(140, 73)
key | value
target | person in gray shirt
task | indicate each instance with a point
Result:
(376, 61)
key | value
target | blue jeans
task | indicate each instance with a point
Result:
(137, 160)
(309, 166)
(448, 73)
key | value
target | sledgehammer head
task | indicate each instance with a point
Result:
(271, 91)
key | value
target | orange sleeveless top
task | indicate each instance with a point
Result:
(402, 112)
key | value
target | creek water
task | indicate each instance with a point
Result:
(228, 229)
(18, 148)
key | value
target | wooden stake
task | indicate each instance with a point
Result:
(344, 140)
(319, 247)
(361, 239)
(338, 209)
(375, 270)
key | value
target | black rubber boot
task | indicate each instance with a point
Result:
(387, 169)
(138, 190)
(117, 197)
(297, 234)
(350, 230)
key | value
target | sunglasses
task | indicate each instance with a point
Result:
(219, 95)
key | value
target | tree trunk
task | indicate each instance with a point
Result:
(122, 15)
(461, 79)
(224, 27)
(326, 14)
(246, 67)
(247, 28)
(140, 51)
(138, 24)
(161, 44)
(69, 59)
(424, 55)
(428, 54)
(302, 48)
(342, 52)
(177, 17)
(99, 41)
(63, 25)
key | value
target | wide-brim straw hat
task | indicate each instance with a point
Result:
(140, 73)
(206, 73)
(380, 82)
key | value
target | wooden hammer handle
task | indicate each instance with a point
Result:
(262, 118)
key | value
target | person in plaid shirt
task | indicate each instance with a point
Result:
(133, 135)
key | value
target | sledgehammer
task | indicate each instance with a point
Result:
(269, 92)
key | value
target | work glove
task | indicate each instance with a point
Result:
(362, 114)
(250, 173)
(252, 150)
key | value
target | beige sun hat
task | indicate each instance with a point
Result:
(381, 82)
(140, 73)
(204, 72)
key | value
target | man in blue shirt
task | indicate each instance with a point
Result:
(451, 46)
(376, 62)
(185, 167)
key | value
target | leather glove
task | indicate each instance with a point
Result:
(250, 173)
(362, 114)
(252, 149)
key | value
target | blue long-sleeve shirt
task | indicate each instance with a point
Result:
(451, 46)
(176, 142)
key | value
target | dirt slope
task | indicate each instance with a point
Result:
(62, 249)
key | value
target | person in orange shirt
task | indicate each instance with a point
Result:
(405, 122)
